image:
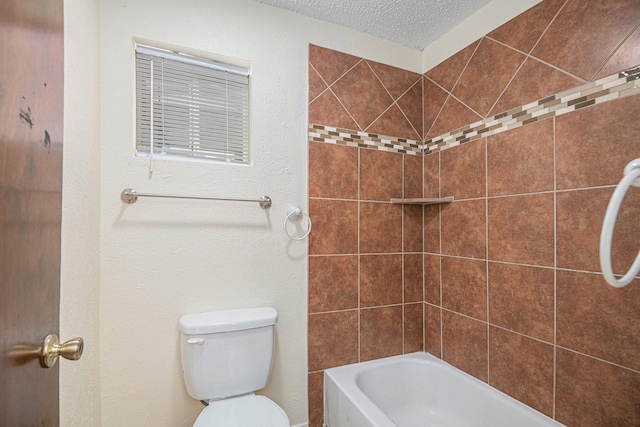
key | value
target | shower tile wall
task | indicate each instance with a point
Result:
(506, 278)
(365, 253)
(513, 292)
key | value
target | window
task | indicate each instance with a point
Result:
(193, 107)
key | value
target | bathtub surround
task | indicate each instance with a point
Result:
(511, 286)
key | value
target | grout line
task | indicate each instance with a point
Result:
(555, 273)
(486, 239)
(490, 111)
(346, 110)
(548, 26)
(359, 255)
(437, 116)
(402, 256)
(624, 40)
(440, 257)
(504, 328)
(608, 362)
(326, 86)
(466, 65)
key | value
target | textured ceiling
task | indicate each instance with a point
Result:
(413, 23)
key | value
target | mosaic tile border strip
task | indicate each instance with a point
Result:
(619, 85)
(354, 138)
(616, 86)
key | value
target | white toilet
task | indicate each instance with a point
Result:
(226, 356)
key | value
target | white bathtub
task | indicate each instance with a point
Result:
(418, 390)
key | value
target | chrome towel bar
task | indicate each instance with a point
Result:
(130, 196)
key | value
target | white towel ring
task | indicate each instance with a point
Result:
(631, 178)
(295, 214)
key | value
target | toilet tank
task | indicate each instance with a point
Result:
(227, 353)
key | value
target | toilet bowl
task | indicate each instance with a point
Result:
(226, 357)
(248, 410)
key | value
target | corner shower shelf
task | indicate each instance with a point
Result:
(423, 201)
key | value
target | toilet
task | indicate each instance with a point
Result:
(226, 356)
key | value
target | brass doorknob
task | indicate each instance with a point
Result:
(51, 349)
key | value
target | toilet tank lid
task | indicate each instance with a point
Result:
(228, 320)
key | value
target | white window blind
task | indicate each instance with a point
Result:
(194, 107)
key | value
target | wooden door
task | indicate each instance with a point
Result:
(31, 112)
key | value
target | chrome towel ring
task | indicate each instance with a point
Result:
(295, 214)
(631, 178)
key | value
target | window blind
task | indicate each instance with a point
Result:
(194, 107)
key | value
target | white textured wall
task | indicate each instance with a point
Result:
(164, 258)
(80, 265)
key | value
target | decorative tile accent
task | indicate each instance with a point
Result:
(354, 138)
(619, 85)
(609, 88)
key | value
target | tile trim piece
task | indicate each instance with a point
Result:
(615, 86)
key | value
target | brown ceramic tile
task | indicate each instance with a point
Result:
(326, 110)
(597, 319)
(333, 171)
(521, 299)
(533, 81)
(446, 73)
(592, 393)
(521, 160)
(330, 64)
(627, 56)
(412, 176)
(432, 229)
(380, 228)
(380, 280)
(432, 175)
(411, 106)
(523, 31)
(333, 339)
(380, 175)
(432, 335)
(463, 171)
(453, 116)
(362, 94)
(490, 69)
(432, 102)
(464, 344)
(593, 145)
(335, 227)
(579, 222)
(572, 42)
(521, 229)
(393, 122)
(464, 229)
(380, 332)
(413, 333)
(413, 278)
(464, 286)
(412, 232)
(396, 80)
(333, 283)
(432, 279)
(522, 368)
(316, 402)
(316, 85)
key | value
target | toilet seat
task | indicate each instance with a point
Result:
(247, 410)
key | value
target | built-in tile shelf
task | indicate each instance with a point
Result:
(423, 201)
